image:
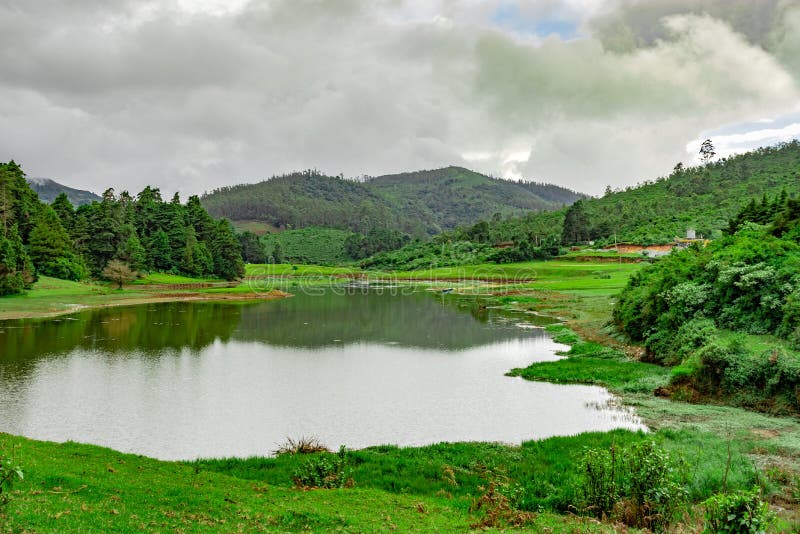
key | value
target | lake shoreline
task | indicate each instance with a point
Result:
(437, 483)
(138, 297)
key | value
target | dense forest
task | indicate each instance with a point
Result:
(444, 199)
(114, 238)
(703, 198)
(421, 204)
(728, 313)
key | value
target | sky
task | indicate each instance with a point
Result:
(191, 95)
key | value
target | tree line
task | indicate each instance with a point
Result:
(107, 238)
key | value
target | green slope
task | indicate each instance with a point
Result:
(701, 198)
(446, 198)
(420, 203)
(304, 199)
(48, 190)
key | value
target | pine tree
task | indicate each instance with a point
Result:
(252, 249)
(51, 248)
(65, 211)
(199, 219)
(19, 204)
(226, 252)
(16, 268)
(159, 253)
(102, 235)
(707, 151)
(576, 225)
(196, 260)
(131, 251)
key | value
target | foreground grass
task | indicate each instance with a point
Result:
(82, 488)
(75, 487)
(542, 475)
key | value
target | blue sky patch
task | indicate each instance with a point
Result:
(508, 17)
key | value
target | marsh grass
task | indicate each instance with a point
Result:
(589, 362)
(303, 445)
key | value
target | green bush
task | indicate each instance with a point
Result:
(9, 473)
(641, 485)
(601, 469)
(324, 471)
(741, 512)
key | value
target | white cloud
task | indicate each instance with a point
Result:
(191, 95)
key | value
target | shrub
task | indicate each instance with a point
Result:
(741, 512)
(9, 473)
(640, 485)
(301, 446)
(324, 471)
(653, 485)
(601, 475)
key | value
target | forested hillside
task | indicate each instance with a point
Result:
(48, 190)
(421, 203)
(305, 199)
(701, 198)
(443, 199)
(729, 313)
(114, 238)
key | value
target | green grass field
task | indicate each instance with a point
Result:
(72, 487)
(82, 488)
(170, 279)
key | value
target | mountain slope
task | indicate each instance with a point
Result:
(446, 198)
(700, 198)
(305, 199)
(48, 190)
(424, 202)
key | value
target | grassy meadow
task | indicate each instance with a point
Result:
(538, 486)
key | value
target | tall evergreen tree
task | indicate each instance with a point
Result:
(19, 204)
(576, 225)
(51, 248)
(252, 249)
(65, 211)
(16, 268)
(159, 252)
(130, 250)
(199, 219)
(104, 220)
(226, 252)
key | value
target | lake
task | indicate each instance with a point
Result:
(354, 368)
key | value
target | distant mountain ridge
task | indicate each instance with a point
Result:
(49, 189)
(421, 203)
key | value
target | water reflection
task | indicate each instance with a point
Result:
(189, 380)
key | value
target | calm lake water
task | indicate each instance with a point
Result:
(189, 380)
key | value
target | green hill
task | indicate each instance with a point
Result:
(48, 190)
(443, 199)
(700, 198)
(419, 203)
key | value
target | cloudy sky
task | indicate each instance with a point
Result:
(190, 95)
